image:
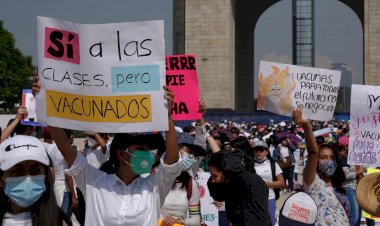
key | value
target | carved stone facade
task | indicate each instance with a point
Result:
(211, 31)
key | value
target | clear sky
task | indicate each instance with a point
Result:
(338, 37)
(19, 16)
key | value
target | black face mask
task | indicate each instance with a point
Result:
(218, 191)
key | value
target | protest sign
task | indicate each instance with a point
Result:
(29, 102)
(364, 140)
(283, 87)
(102, 77)
(208, 210)
(181, 77)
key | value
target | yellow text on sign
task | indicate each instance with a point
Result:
(137, 108)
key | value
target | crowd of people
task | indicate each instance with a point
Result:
(150, 178)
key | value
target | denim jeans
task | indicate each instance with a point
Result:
(272, 210)
(354, 210)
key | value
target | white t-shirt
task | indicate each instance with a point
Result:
(178, 205)
(110, 202)
(264, 171)
(59, 163)
(95, 156)
(20, 219)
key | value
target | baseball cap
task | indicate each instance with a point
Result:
(299, 209)
(260, 143)
(21, 148)
(188, 140)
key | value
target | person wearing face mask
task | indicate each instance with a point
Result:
(244, 192)
(271, 173)
(121, 196)
(26, 194)
(182, 204)
(323, 178)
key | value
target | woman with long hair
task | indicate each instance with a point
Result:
(26, 193)
(323, 177)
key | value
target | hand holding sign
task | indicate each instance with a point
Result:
(181, 76)
(101, 77)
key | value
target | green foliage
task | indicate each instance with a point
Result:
(15, 72)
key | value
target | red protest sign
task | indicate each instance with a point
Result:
(181, 77)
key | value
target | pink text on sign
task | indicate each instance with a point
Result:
(62, 45)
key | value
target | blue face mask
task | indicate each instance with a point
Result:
(141, 161)
(25, 191)
(187, 162)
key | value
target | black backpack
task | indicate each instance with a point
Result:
(274, 178)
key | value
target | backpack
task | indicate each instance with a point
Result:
(274, 178)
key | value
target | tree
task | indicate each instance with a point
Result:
(15, 71)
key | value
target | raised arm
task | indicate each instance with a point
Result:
(21, 113)
(312, 147)
(171, 142)
(58, 134)
(99, 139)
(63, 144)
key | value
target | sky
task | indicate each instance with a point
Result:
(338, 32)
(19, 16)
(338, 37)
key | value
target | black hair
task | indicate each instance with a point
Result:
(42, 210)
(20, 128)
(217, 160)
(183, 178)
(338, 177)
(120, 141)
(243, 144)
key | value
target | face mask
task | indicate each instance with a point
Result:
(328, 167)
(141, 161)
(25, 191)
(217, 190)
(187, 162)
(284, 143)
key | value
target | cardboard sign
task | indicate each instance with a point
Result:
(208, 210)
(181, 77)
(364, 142)
(29, 102)
(102, 77)
(283, 87)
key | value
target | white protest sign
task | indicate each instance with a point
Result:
(102, 77)
(364, 143)
(283, 87)
(208, 210)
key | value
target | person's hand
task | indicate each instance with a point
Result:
(218, 204)
(170, 98)
(89, 133)
(35, 86)
(202, 107)
(297, 117)
(74, 201)
(22, 112)
(169, 221)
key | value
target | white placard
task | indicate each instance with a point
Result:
(102, 77)
(364, 142)
(283, 87)
(208, 210)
